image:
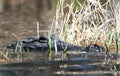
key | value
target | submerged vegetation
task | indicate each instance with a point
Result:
(89, 23)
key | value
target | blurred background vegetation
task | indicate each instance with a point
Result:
(20, 17)
(27, 5)
(33, 7)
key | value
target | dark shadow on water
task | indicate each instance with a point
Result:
(81, 64)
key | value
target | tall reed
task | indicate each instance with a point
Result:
(89, 23)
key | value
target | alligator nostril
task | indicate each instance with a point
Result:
(94, 48)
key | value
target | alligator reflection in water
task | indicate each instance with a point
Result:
(92, 65)
(41, 44)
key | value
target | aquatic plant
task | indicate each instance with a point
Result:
(89, 23)
(49, 46)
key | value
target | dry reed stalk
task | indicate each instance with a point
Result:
(88, 23)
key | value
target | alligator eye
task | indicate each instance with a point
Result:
(24, 41)
(43, 39)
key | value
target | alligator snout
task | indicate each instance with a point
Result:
(95, 48)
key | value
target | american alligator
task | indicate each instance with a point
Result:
(42, 44)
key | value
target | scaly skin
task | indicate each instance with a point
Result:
(41, 44)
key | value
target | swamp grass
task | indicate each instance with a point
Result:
(86, 24)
